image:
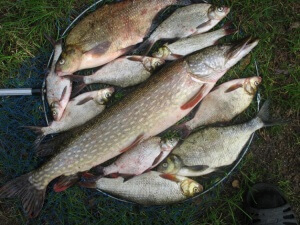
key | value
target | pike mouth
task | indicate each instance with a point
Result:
(242, 48)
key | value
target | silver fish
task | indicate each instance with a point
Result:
(78, 111)
(223, 103)
(151, 188)
(188, 20)
(186, 46)
(123, 72)
(207, 150)
(152, 108)
(58, 88)
(144, 156)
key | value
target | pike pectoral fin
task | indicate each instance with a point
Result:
(196, 168)
(136, 142)
(234, 87)
(195, 100)
(65, 182)
(169, 177)
(83, 101)
(99, 49)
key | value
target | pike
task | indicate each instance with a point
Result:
(123, 72)
(152, 108)
(189, 20)
(209, 149)
(186, 46)
(109, 32)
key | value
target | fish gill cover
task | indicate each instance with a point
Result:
(76, 205)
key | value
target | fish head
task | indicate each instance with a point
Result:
(251, 84)
(104, 95)
(152, 64)
(213, 62)
(169, 144)
(218, 13)
(170, 165)
(163, 52)
(56, 110)
(190, 187)
(69, 62)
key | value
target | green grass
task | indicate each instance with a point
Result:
(22, 27)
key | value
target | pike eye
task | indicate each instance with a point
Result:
(62, 61)
(165, 165)
(220, 9)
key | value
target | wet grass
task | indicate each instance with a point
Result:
(22, 28)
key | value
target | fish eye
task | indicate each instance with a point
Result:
(54, 113)
(107, 95)
(62, 61)
(256, 83)
(165, 165)
(220, 9)
(195, 189)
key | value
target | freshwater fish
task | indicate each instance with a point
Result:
(185, 21)
(147, 111)
(141, 158)
(208, 149)
(123, 72)
(151, 188)
(78, 111)
(223, 103)
(58, 88)
(108, 33)
(186, 46)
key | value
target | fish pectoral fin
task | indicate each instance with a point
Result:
(136, 58)
(196, 168)
(200, 28)
(63, 93)
(196, 99)
(176, 56)
(85, 100)
(234, 87)
(170, 177)
(64, 182)
(157, 159)
(100, 49)
(136, 142)
(127, 177)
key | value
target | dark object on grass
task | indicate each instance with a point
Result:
(268, 206)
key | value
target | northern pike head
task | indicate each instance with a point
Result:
(213, 62)
(56, 110)
(69, 62)
(170, 165)
(190, 188)
(169, 144)
(251, 84)
(152, 64)
(104, 95)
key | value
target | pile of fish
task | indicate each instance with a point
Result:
(150, 170)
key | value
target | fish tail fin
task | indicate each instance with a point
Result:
(80, 84)
(32, 198)
(40, 137)
(228, 28)
(264, 115)
(183, 129)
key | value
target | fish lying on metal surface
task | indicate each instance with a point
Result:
(123, 72)
(78, 111)
(108, 33)
(223, 103)
(58, 88)
(211, 148)
(151, 188)
(185, 21)
(141, 158)
(186, 46)
(152, 108)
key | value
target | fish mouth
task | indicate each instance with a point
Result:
(242, 48)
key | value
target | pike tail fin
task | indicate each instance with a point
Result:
(32, 198)
(264, 115)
